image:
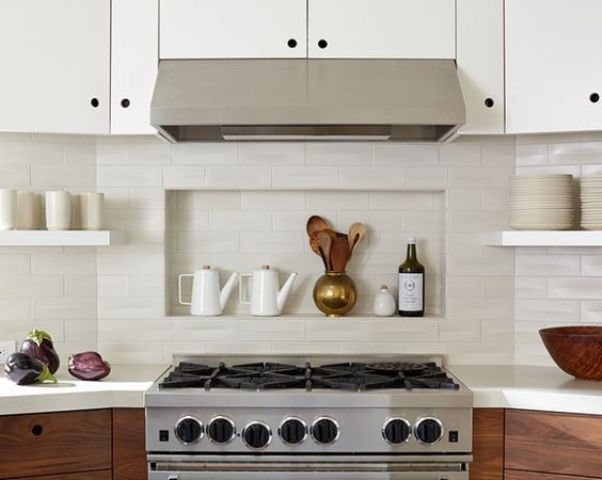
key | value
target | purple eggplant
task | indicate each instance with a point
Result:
(38, 345)
(88, 366)
(25, 370)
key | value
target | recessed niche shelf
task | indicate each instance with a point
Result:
(60, 238)
(309, 316)
(544, 238)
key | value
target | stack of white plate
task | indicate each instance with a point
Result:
(591, 202)
(542, 202)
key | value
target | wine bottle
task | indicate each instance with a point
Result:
(411, 284)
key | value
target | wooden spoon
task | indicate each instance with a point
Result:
(315, 224)
(325, 241)
(314, 243)
(357, 233)
(340, 254)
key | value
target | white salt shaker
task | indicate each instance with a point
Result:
(384, 303)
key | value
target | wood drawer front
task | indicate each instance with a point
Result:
(97, 475)
(554, 443)
(55, 443)
(129, 448)
(488, 444)
(518, 475)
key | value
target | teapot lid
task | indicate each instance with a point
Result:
(265, 267)
(384, 287)
(206, 267)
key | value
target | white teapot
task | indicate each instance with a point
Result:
(207, 297)
(267, 298)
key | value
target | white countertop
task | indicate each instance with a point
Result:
(123, 388)
(522, 387)
(530, 388)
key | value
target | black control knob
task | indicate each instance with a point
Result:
(428, 430)
(189, 430)
(293, 431)
(257, 435)
(397, 430)
(221, 430)
(325, 430)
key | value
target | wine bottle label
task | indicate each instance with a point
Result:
(410, 292)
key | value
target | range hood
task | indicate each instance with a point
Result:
(301, 99)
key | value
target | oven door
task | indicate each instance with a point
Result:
(307, 470)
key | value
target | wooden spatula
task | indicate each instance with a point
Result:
(340, 254)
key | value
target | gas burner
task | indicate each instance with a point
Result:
(336, 376)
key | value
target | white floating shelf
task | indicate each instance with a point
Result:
(307, 316)
(60, 238)
(544, 238)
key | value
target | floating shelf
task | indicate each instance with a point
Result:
(544, 238)
(306, 316)
(60, 238)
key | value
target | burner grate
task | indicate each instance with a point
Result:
(337, 376)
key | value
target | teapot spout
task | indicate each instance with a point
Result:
(285, 291)
(227, 289)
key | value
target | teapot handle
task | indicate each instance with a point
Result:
(180, 288)
(240, 300)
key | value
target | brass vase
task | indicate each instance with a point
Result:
(335, 294)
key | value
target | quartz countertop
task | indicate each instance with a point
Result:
(530, 388)
(521, 387)
(123, 388)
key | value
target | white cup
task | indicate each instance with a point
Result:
(8, 209)
(58, 210)
(26, 210)
(91, 210)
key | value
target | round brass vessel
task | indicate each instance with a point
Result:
(335, 294)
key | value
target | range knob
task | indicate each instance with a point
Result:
(429, 430)
(221, 430)
(293, 431)
(257, 435)
(397, 430)
(325, 430)
(189, 430)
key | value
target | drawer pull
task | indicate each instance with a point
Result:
(37, 430)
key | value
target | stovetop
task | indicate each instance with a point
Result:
(352, 376)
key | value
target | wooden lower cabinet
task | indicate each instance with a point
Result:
(84, 445)
(520, 475)
(488, 444)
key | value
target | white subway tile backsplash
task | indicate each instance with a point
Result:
(184, 177)
(295, 178)
(129, 176)
(405, 154)
(204, 153)
(547, 265)
(371, 178)
(271, 153)
(337, 153)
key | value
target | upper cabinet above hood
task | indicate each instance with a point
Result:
(307, 99)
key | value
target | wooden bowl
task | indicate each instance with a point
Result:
(576, 350)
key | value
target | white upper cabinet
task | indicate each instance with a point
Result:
(553, 65)
(134, 60)
(233, 29)
(54, 66)
(382, 28)
(480, 59)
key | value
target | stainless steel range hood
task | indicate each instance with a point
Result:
(300, 99)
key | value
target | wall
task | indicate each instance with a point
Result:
(464, 184)
(556, 286)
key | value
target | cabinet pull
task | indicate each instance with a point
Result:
(594, 97)
(292, 43)
(322, 43)
(94, 102)
(37, 430)
(125, 103)
(489, 102)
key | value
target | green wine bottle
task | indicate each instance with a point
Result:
(411, 284)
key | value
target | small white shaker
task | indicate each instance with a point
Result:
(384, 303)
(91, 213)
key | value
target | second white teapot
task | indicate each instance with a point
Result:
(267, 298)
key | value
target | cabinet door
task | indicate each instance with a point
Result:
(54, 66)
(553, 65)
(233, 28)
(129, 450)
(480, 59)
(134, 60)
(382, 28)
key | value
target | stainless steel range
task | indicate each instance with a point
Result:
(308, 418)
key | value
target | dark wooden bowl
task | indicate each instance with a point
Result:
(576, 350)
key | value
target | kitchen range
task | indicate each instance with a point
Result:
(308, 417)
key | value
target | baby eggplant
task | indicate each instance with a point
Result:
(38, 345)
(24, 370)
(88, 366)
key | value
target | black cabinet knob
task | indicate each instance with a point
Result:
(594, 97)
(489, 103)
(322, 43)
(292, 43)
(125, 103)
(37, 430)
(94, 102)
